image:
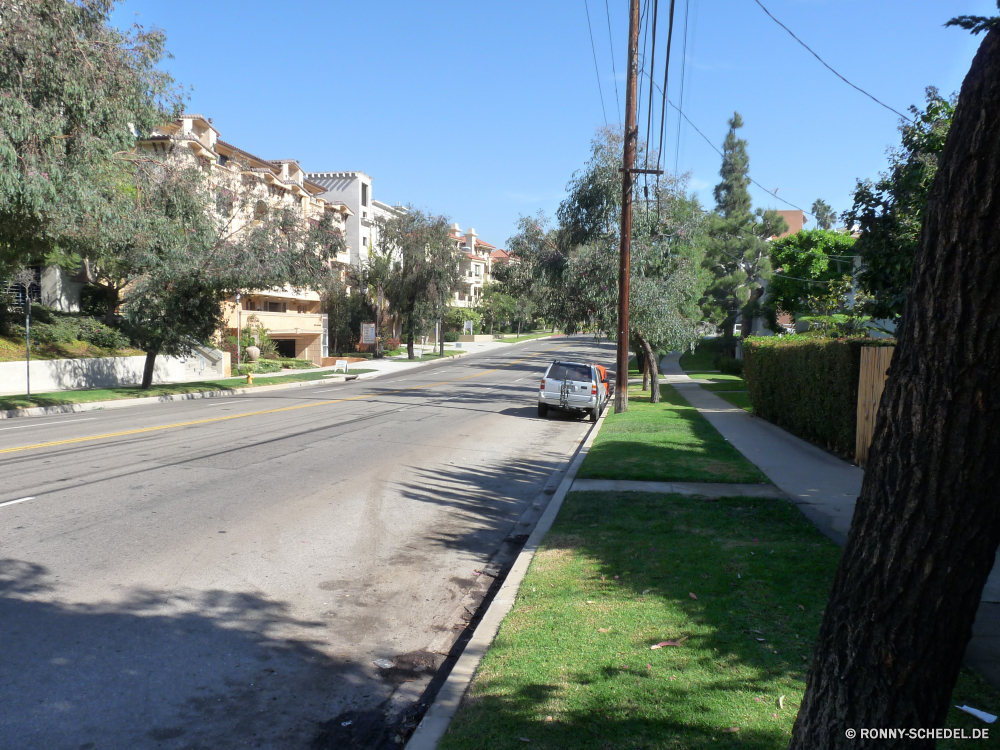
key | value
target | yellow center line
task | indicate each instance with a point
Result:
(141, 430)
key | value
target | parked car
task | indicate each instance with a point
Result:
(573, 387)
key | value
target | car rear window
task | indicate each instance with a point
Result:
(560, 371)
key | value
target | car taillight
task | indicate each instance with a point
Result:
(593, 389)
(542, 386)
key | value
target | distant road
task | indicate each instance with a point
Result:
(222, 573)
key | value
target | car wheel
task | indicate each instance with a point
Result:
(543, 410)
(595, 412)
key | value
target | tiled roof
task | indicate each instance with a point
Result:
(500, 255)
(473, 256)
(484, 243)
(238, 150)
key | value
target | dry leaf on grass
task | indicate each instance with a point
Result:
(604, 630)
(661, 644)
(692, 595)
(731, 729)
(781, 702)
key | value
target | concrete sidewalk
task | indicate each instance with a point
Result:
(825, 489)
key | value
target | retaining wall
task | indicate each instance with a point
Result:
(107, 372)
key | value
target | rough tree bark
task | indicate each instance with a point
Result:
(654, 374)
(147, 369)
(927, 523)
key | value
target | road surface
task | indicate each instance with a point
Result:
(223, 573)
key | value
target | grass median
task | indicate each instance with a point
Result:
(66, 398)
(665, 442)
(736, 587)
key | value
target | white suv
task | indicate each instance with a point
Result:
(573, 387)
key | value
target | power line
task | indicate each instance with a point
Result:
(666, 74)
(652, 69)
(596, 69)
(716, 149)
(827, 66)
(615, 72)
(684, 53)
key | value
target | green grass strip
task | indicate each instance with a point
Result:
(64, 398)
(572, 667)
(665, 442)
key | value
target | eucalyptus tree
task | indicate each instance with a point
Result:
(422, 267)
(74, 92)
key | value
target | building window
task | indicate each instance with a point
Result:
(223, 160)
(364, 241)
(260, 211)
(364, 194)
(278, 307)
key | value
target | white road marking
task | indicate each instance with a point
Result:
(46, 424)
(223, 403)
(14, 502)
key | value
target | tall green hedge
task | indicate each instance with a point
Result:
(809, 386)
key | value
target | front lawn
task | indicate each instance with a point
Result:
(665, 442)
(739, 583)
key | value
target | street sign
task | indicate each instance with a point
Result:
(367, 333)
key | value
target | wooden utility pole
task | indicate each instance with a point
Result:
(631, 135)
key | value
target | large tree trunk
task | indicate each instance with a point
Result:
(654, 375)
(927, 523)
(147, 369)
(111, 300)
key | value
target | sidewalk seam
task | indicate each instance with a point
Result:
(438, 718)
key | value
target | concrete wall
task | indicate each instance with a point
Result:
(106, 372)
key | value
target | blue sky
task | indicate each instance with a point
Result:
(482, 111)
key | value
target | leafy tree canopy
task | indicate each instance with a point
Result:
(75, 92)
(804, 264)
(889, 212)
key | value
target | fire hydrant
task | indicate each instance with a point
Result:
(249, 378)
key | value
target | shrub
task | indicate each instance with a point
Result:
(729, 366)
(98, 334)
(260, 367)
(451, 336)
(390, 344)
(809, 386)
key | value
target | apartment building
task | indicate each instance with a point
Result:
(476, 259)
(292, 317)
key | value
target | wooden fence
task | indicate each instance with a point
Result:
(874, 371)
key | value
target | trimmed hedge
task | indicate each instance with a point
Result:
(807, 385)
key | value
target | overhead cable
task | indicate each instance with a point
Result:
(613, 70)
(666, 74)
(596, 69)
(716, 148)
(827, 65)
(684, 54)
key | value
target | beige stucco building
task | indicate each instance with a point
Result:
(292, 317)
(476, 259)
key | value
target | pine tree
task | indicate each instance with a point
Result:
(737, 253)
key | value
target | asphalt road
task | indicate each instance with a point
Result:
(223, 573)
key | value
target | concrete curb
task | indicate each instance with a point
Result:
(48, 411)
(438, 717)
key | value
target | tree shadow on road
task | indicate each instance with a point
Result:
(191, 670)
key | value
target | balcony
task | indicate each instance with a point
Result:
(278, 324)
